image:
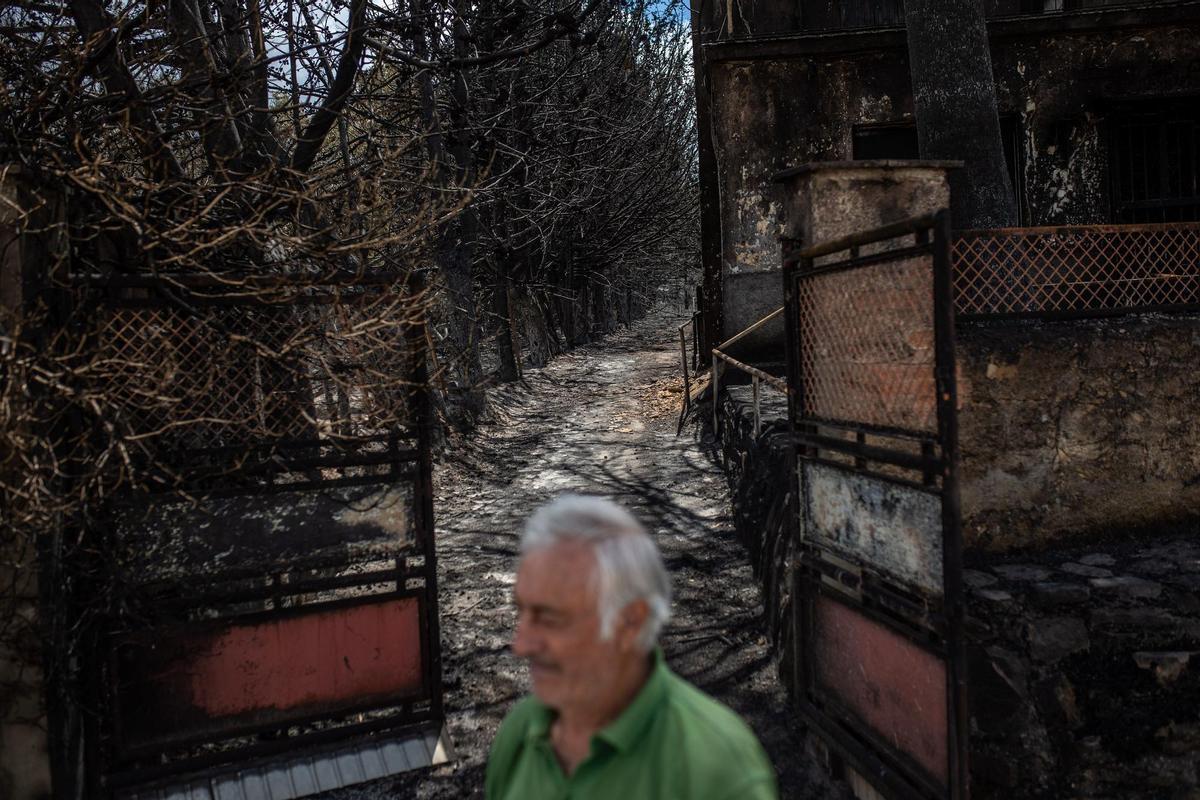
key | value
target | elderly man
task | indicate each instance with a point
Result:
(607, 718)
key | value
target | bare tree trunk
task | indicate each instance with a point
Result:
(454, 250)
(554, 328)
(955, 97)
(505, 337)
(313, 136)
(95, 24)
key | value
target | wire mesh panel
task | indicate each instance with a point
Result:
(212, 371)
(205, 379)
(1077, 270)
(866, 345)
(878, 581)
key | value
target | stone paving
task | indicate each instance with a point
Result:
(1085, 670)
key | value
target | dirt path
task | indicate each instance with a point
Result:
(598, 420)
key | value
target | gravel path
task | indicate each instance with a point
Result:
(599, 420)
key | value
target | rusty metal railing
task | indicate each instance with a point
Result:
(694, 359)
(1087, 270)
(684, 360)
(757, 376)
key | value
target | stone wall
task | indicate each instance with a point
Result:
(757, 470)
(1078, 429)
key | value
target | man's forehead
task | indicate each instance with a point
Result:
(574, 552)
(560, 569)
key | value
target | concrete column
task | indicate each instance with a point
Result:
(825, 200)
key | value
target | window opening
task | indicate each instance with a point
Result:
(1154, 166)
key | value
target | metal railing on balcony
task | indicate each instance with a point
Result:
(1077, 271)
(720, 359)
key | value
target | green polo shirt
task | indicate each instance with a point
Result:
(673, 742)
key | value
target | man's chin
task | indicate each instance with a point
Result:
(545, 686)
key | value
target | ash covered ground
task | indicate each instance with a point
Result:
(600, 420)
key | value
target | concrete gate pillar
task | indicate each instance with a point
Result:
(826, 200)
(822, 201)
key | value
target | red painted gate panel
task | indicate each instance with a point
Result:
(278, 669)
(891, 684)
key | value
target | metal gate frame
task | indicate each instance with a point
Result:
(115, 764)
(922, 622)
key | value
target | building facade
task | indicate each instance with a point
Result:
(1099, 105)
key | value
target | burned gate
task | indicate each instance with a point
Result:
(265, 573)
(877, 592)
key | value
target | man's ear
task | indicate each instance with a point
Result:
(633, 617)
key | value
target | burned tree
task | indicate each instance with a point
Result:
(201, 292)
(232, 221)
(538, 129)
(590, 189)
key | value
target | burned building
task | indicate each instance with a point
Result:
(1062, 455)
(1099, 105)
(1100, 116)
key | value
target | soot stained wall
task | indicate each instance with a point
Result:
(782, 102)
(1077, 429)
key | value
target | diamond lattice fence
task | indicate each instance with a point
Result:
(219, 376)
(1076, 270)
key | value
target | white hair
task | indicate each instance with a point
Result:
(628, 564)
